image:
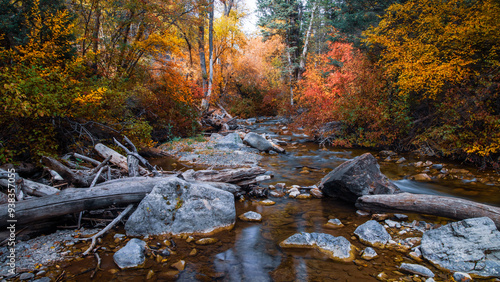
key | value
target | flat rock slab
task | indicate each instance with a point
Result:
(357, 177)
(337, 248)
(177, 207)
(372, 233)
(255, 140)
(132, 255)
(471, 246)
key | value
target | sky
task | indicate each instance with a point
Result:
(250, 21)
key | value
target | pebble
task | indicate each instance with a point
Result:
(416, 269)
(334, 223)
(380, 216)
(150, 275)
(401, 160)
(207, 241)
(180, 265)
(276, 194)
(281, 186)
(421, 177)
(392, 223)
(190, 239)
(400, 217)
(362, 213)
(294, 192)
(304, 196)
(368, 253)
(316, 193)
(382, 276)
(193, 252)
(251, 216)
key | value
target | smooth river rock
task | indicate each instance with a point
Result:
(372, 233)
(471, 246)
(132, 255)
(357, 177)
(337, 248)
(251, 216)
(176, 207)
(416, 269)
(257, 141)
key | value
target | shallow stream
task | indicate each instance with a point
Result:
(251, 252)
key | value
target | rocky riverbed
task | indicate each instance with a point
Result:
(294, 234)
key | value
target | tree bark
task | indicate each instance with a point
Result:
(302, 64)
(211, 55)
(428, 204)
(116, 192)
(116, 158)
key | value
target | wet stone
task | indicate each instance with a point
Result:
(180, 265)
(267, 202)
(334, 223)
(132, 255)
(316, 193)
(251, 216)
(294, 192)
(401, 160)
(337, 248)
(362, 213)
(462, 277)
(380, 216)
(280, 186)
(400, 217)
(416, 269)
(368, 253)
(26, 276)
(421, 177)
(372, 233)
(392, 223)
(276, 194)
(304, 196)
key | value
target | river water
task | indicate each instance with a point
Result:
(251, 252)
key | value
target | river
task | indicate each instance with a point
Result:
(251, 252)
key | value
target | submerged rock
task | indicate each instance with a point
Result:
(471, 245)
(337, 248)
(334, 223)
(258, 142)
(177, 207)
(416, 269)
(132, 255)
(372, 233)
(357, 177)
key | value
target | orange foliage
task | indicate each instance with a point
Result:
(342, 85)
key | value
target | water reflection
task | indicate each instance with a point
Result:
(248, 259)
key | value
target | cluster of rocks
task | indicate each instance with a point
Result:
(294, 191)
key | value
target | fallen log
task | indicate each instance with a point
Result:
(115, 192)
(29, 187)
(449, 207)
(225, 175)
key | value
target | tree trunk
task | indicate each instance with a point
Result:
(116, 192)
(211, 55)
(428, 204)
(225, 175)
(116, 158)
(203, 63)
(73, 177)
(302, 64)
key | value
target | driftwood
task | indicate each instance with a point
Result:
(106, 229)
(85, 158)
(132, 164)
(226, 175)
(116, 158)
(77, 178)
(115, 192)
(428, 204)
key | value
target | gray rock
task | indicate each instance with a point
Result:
(251, 216)
(255, 140)
(392, 223)
(231, 141)
(401, 217)
(228, 187)
(337, 248)
(357, 177)
(26, 276)
(416, 269)
(43, 279)
(462, 277)
(132, 255)
(176, 207)
(372, 233)
(471, 245)
(368, 253)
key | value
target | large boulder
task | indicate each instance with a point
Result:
(132, 255)
(471, 245)
(255, 140)
(357, 177)
(176, 207)
(337, 248)
(231, 141)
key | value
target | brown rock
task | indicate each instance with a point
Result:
(180, 265)
(207, 241)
